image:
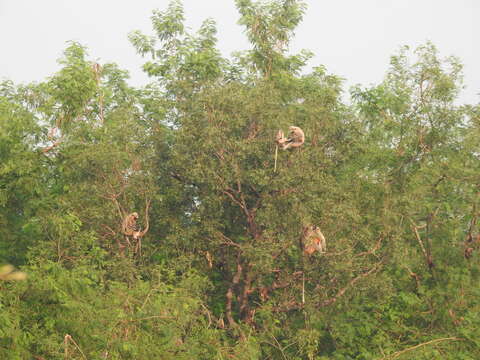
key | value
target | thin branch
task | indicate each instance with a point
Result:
(229, 295)
(277, 346)
(352, 282)
(235, 200)
(50, 147)
(414, 275)
(208, 314)
(110, 231)
(68, 338)
(147, 223)
(97, 70)
(227, 240)
(152, 317)
(373, 249)
(422, 246)
(398, 353)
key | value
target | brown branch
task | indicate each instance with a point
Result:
(249, 214)
(183, 180)
(244, 310)
(373, 249)
(227, 240)
(121, 212)
(283, 192)
(51, 135)
(97, 71)
(277, 346)
(110, 230)
(266, 290)
(50, 147)
(151, 317)
(422, 79)
(414, 275)
(68, 339)
(209, 315)
(241, 202)
(228, 307)
(281, 251)
(398, 353)
(229, 295)
(473, 222)
(114, 195)
(428, 258)
(352, 282)
(147, 223)
(288, 306)
(235, 200)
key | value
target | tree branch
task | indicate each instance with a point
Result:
(398, 353)
(352, 282)
(428, 257)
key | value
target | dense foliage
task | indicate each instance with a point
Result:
(391, 177)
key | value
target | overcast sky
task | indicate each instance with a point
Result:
(352, 38)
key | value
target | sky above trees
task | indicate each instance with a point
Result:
(352, 39)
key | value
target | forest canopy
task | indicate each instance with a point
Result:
(165, 222)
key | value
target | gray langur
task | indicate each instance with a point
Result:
(129, 227)
(295, 139)
(313, 240)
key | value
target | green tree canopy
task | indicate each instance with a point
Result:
(389, 175)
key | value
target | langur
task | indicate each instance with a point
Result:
(313, 240)
(472, 244)
(209, 258)
(131, 230)
(129, 227)
(295, 139)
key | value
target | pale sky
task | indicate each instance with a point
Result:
(353, 39)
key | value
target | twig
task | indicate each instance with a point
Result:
(50, 147)
(276, 155)
(208, 314)
(146, 299)
(398, 353)
(68, 338)
(351, 283)
(279, 347)
(419, 239)
(97, 70)
(303, 287)
(55, 143)
(414, 275)
(373, 249)
(151, 317)
(147, 222)
(229, 295)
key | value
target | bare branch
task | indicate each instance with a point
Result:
(398, 353)
(147, 223)
(428, 258)
(352, 282)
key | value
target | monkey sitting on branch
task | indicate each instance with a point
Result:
(295, 139)
(313, 240)
(131, 230)
(129, 227)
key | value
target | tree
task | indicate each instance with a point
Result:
(390, 179)
(244, 216)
